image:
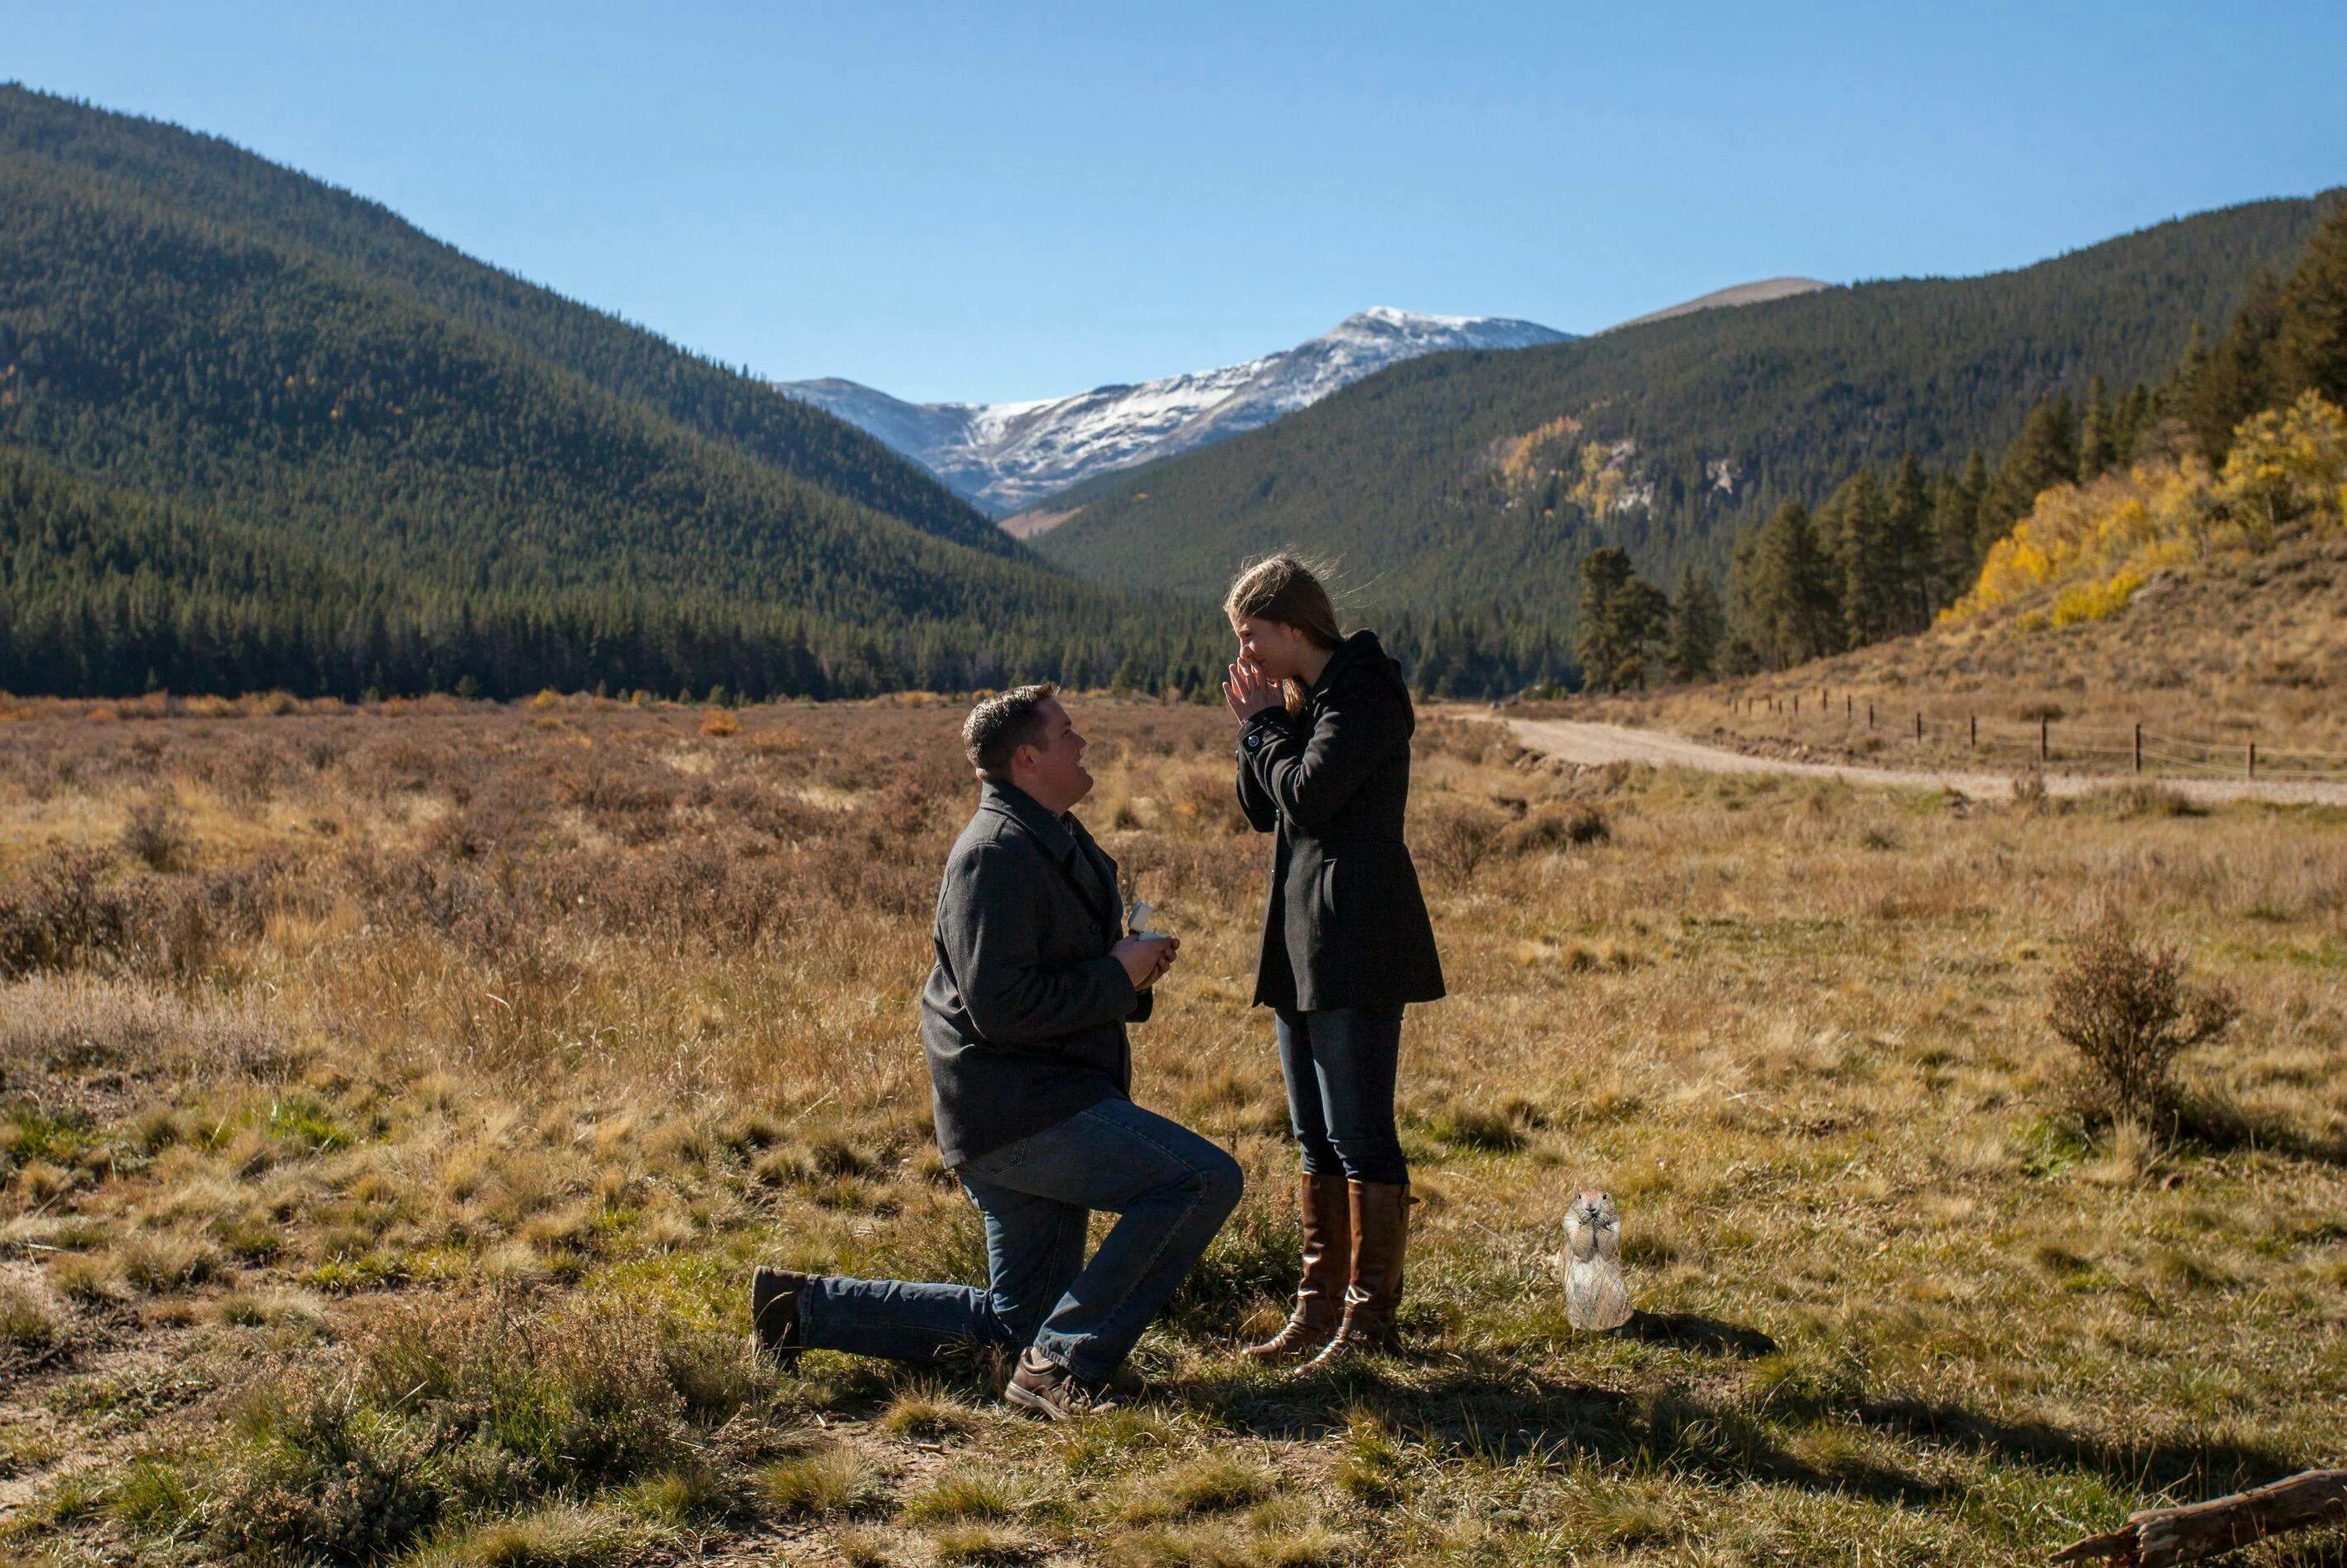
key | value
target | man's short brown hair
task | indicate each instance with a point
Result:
(1002, 723)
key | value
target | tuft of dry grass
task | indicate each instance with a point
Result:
(960, 1495)
(818, 1486)
(29, 1325)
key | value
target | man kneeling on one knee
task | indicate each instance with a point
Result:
(1023, 1024)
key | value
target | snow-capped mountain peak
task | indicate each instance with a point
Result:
(1005, 456)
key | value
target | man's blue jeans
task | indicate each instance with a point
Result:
(1172, 1188)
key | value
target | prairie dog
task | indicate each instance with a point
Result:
(1595, 1294)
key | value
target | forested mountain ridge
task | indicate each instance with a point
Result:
(205, 176)
(106, 591)
(1476, 483)
(401, 497)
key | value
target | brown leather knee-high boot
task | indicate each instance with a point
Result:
(1327, 1260)
(1381, 1218)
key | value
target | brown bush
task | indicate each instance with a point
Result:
(61, 918)
(1457, 837)
(156, 834)
(1575, 825)
(1207, 803)
(2126, 1007)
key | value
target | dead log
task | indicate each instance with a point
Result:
(2158, 1537)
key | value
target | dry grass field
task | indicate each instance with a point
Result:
(392, 1103)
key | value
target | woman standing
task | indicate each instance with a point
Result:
(1324, 723)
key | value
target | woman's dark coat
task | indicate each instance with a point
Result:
(1347, 926)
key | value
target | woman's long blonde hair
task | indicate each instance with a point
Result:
(1286, 588)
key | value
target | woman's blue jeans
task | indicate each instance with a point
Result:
(1339, 1064)
(1172, 1188)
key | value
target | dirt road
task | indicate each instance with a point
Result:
(1577, 741)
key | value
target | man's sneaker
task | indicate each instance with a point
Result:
(1049, 1389)
(775, 1312)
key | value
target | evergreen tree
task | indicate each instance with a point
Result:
(1956, 517)
(2044, 455)
(1622, 616)
(2240, 376)
(1913, 547)
(1697, 624)
(1858, 516)
(2097, 433)
(1785, 590)
(2311, 343)
(2135, 413)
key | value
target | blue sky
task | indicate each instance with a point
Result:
(998, 201)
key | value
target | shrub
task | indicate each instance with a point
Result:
(59, 917)
(1575, 825)
(323, 1477)
(1458, 837)
(2146, 799)
(2127, 1009)
(1209, 803)
(156, 834)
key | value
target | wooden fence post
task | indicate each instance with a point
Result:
(1919, 726)
(2045, 742)
(1976, 740)
(2253, 759)
(1870, 715)
(2138, 748)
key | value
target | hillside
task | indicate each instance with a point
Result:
(226, 186)
(2247, 643)
(1006, 455)
(1480, 480)
(2209, 608)
(201, 403)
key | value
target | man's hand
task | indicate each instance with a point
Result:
(1146, 958)
(1246, 691)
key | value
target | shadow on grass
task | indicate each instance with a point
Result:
(1508, 1414)
(2215, 1127)
(1509, 1418)
(2188, 1471)
(1691, 1331)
